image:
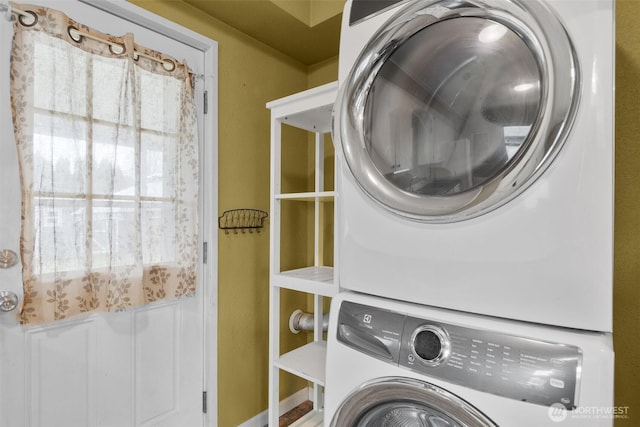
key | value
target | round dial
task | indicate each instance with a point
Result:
(430, 344)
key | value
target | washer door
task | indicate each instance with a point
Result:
(394, 402)
(455, 107)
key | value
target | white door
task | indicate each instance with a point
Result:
(142, 367)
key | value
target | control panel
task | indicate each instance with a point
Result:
(363, 9)
(519, 368)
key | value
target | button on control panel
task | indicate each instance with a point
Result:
(519, 368)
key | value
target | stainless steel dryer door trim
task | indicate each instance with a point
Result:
(397, 397)
(535, 26)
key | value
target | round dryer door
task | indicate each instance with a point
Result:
(392, 402)
(455, 107)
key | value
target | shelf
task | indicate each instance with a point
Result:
(307, 362)
(308, 196)
(314, 280)
(309, 110)
(317, 120)
(311, 419)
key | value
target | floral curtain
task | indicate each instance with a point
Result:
(107, 143)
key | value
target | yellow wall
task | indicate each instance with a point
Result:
(311, 12)
(626, 299)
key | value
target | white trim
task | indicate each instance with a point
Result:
(211, 234)
(287, 404)
(209, 149)
(151, 21)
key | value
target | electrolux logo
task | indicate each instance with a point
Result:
(558, 412)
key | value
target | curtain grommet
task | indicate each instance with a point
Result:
(22, 19)
(79, 38)
(117, 48)
(168, 65)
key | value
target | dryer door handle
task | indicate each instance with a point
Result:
(370, 344)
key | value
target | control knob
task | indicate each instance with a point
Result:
(430, 344)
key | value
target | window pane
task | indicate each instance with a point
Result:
(60, 243)
(158, 232)
(114, 160)
(158, 161)
(114, 234)
(112, 98)
(59, 154)
(59, 77)
(160, 100)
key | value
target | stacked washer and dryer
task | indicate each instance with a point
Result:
(475, 215)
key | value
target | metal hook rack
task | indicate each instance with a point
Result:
(243, 220)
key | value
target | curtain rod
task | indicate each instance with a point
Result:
(77, 35)
(8, 10)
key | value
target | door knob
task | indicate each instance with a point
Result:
(8, 258)
(8, 300)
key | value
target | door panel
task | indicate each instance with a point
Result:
(52, 356)
(141, 367)
(158, 350)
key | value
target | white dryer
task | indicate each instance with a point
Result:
(475, 159)
(393, 363)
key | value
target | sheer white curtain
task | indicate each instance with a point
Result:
(107, 143)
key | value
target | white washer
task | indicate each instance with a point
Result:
(393, 363)
(475, 159)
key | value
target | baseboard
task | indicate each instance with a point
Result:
(287, 404)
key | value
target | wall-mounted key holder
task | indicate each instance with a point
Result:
(242, 220)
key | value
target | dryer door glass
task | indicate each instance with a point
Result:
(454, 108)
(397, 401)
(394, 414)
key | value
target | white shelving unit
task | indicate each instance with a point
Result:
(309, 110)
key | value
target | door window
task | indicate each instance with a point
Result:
(107, 141)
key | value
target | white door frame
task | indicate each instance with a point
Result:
(209, 208)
